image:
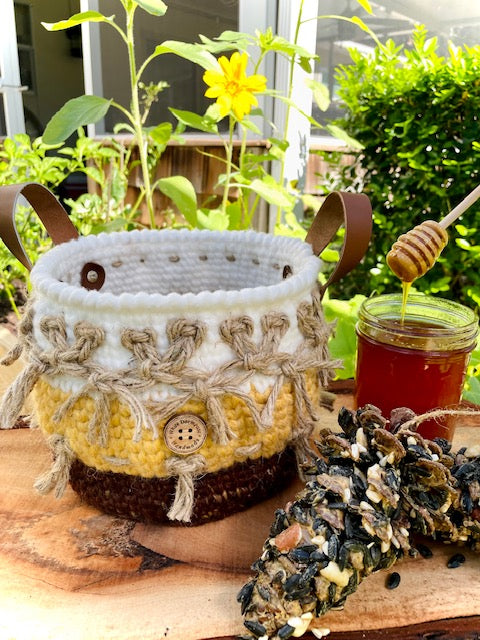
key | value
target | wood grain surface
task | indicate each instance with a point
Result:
(69, 572)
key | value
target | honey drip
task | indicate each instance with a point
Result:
(405, 291)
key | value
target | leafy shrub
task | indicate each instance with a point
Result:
(416, 115)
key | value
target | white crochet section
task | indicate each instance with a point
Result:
(153, 277)
(177, 271)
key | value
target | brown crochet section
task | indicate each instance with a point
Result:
(217, 495)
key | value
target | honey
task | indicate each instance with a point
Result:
(418, 361)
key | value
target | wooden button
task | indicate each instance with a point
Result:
(185, 433)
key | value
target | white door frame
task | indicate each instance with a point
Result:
(10, 87)
(92, 56)
(298, 129)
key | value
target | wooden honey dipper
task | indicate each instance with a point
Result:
(416, 251)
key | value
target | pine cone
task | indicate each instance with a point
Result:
(368, 491)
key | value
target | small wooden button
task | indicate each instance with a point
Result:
(185, 433)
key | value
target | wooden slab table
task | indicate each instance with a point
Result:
(69, 572)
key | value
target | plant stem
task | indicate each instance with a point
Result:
(142, 141)
(229, 152)
(251, 211)
(243, 201)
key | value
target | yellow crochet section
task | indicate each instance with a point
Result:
(147, 456)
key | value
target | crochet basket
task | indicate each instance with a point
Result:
(176, 373)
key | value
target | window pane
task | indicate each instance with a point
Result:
(3, 128)
(26, 64)
(48, 69)
(457, 22)
(23, 24)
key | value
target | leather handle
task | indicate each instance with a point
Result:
(53, 216)
(354, 211)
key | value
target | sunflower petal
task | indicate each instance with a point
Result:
(243, 103)
(256, 83)
(213, 78)
(225, 103)
(214, 92)
(225, 64)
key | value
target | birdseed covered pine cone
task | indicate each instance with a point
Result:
(368, 492)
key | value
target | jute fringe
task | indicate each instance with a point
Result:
(59, 474)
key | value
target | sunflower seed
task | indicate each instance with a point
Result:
(393, 580)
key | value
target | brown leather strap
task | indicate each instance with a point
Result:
(355, 212)
(351, 209)
(53, 216)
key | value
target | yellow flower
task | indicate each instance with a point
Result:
(233, 89)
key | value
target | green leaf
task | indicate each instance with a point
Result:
(343, 346)
(234, 36)
(272, 192)
(305, 64)
(75, 113)
(281, 144)
(365, 5)
(182, 193)
(78, 18)
(284, 46)
(311, 201)
(95, 174)
(329, 255)
(347, 309)
(155, 7)
(320, 93)
(234, 212)
(213, 219)
(361, 24)
(472, 393)
(123, 126)
(292, 226)
(251, 126)
(161, 134)
(339, 133)
(118, 224)
(194, 120)
(343, 343)
(227, 41)
(193, 52)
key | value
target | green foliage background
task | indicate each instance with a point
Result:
(416, 115)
